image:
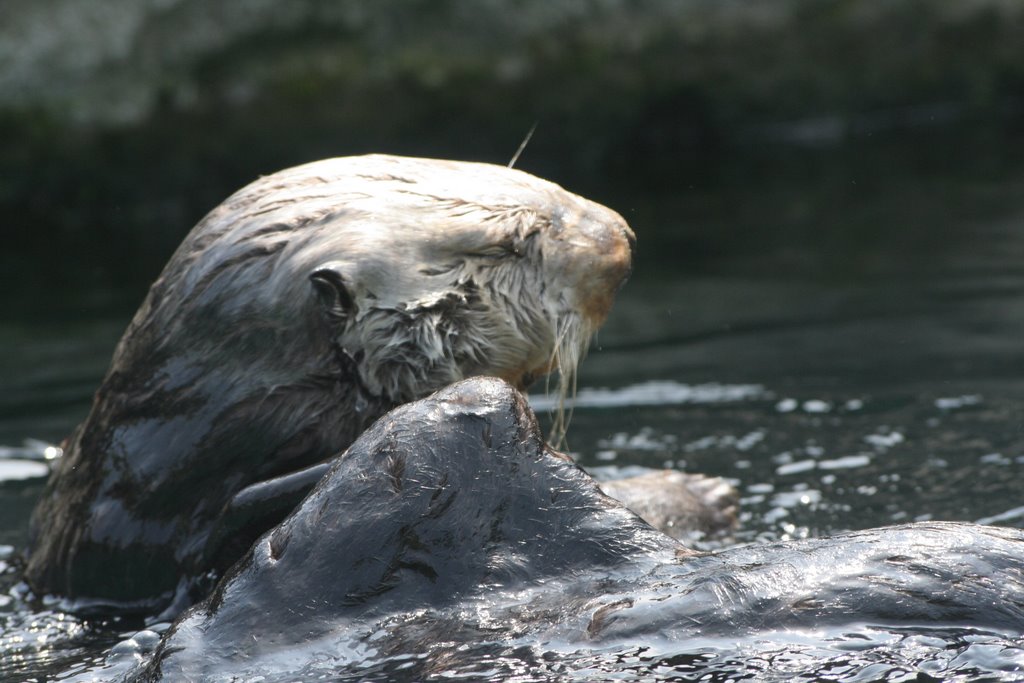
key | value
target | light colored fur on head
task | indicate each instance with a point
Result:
(449, 269)
(486, 314)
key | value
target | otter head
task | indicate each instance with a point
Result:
(445, 270)
(296, 313)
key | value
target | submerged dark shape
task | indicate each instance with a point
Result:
(449, 529)
(681, 504)
(293, 315)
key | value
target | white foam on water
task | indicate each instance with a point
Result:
(1009, 515)
(656, 393)
(17, 470)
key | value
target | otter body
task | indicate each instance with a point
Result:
(292, 316)
(451, 538)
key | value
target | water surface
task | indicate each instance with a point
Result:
(831, 399)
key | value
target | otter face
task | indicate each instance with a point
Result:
(448, 270)
(295, 314)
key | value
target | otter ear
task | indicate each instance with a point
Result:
(332, 290)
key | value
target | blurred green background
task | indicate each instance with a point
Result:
(827, 139)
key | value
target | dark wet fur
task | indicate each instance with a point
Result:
(450, 529)
(125, 496)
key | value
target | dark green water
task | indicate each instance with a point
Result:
(847, 357)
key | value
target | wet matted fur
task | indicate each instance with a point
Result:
(292, 316)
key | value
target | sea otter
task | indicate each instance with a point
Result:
(292, 316)
(451, 538)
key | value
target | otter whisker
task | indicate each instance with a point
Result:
(571, 343)
(522, 145)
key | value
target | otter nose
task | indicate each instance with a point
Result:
(614, 241)
(599, 259)
(630, 237)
